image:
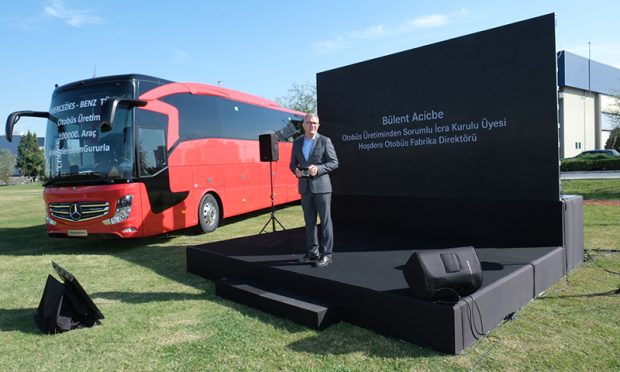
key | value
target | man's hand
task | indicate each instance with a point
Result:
(298, 173)
(313, 170)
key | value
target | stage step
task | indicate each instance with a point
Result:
(279, 302)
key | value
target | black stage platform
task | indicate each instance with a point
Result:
(367, 283)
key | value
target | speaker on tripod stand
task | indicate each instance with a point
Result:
(269, 152)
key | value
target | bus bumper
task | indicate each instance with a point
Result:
(94, 211)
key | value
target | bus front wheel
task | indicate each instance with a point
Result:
(208, 214)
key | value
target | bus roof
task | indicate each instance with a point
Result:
(125, 77)
(168, 87)
(211, 90)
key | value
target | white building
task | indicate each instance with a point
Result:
(587, 91)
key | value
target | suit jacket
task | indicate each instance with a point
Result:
(323, 155)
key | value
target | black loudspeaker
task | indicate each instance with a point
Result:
(442, 273)
(65, 306)
(268, 144)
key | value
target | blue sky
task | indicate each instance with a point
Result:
(257, 46)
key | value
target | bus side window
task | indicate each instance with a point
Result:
(197, 116)
(239, 120)
(152, 153)
(282, 124)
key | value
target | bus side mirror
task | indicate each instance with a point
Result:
(15, 116)
(109, 108)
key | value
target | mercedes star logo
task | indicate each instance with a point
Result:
(75, 211)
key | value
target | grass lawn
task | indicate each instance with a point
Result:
(159, 317)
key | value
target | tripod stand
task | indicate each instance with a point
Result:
(273, 219)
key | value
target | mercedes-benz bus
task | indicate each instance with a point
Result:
(135, 156)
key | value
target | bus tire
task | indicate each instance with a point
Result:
(208, 214)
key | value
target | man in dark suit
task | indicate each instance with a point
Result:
(312, 159)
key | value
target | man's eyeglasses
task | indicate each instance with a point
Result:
(311, 123)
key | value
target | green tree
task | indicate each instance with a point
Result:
(30, 159)
(615, 110)
(301, 97)
(613, 142)
(7, 165)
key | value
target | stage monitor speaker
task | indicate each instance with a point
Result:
(65, 306)
(268, 144)
(443, 273)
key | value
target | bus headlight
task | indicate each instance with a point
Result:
(123, 210)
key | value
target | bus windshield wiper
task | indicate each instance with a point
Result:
(86, 177)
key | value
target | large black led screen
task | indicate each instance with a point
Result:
(472, 117)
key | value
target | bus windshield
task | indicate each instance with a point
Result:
(76, 150)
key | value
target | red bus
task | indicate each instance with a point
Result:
(135, 156)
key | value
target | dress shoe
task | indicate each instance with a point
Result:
(323, 261)
(308, 258)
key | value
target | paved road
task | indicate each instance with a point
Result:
(589, 175)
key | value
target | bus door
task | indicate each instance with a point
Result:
(167, 186)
